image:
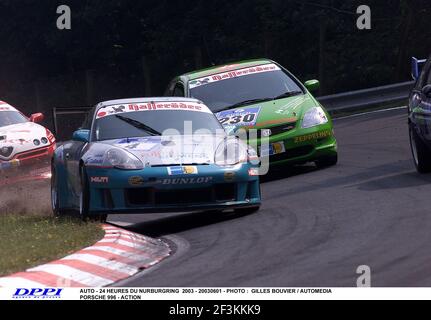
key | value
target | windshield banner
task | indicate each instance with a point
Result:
(151, 106)
(233, 74)
(6, 107)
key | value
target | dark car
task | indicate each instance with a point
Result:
(419, 110)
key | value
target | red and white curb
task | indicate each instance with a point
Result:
(119, 255)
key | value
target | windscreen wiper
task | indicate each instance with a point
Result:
(139, 125)
(287, 94)
(245, 102)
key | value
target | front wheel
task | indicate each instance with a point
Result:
(421, 153)
(247, 211)
(55, 198)
(84, 201)
(327, 161)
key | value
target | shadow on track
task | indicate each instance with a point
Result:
(181, 222)
(284, 172)
(398, 181)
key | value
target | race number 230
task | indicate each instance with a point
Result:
(234, 119)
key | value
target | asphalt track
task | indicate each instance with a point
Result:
(315, 226)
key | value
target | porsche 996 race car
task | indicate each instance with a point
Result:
(24, 144)
(261, 94)
(153, 155)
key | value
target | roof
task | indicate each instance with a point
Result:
(145, 100)
(225, 67)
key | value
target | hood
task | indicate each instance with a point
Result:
(266, 114)
(18, 138)
(163, 150)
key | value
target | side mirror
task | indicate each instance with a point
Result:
(81, 135)
(37, 117)
(312, 85)
(426, 91)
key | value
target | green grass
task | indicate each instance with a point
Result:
(29, 240)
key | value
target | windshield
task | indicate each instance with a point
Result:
(151, 122)
(8, 118)
(219, 92)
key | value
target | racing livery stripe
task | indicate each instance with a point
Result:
(119, 255)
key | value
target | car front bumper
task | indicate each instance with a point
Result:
(300, 145)
(154, 189)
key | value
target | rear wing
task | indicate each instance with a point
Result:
(417, 65)
(72, 118)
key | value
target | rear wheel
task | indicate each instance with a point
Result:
(84, 201)
(421, 153)
(327, 161)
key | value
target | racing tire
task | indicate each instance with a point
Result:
(84, 201)
(327, 161)
(55, 201)
(247, 210)
(420, 152)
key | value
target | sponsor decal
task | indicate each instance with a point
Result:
(136, 181)
(266, 132)
(229, 176)
(239, 117)
(151, 106)
(141, 146)
(292, 105)
(313, 136)
(37, 293)
(99, 179)
(176, 181)
(233, 74)
(180, 170)
(273, 148)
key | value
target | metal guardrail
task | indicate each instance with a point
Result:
(393, 93)
(347, 101)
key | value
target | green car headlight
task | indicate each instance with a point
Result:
(314, 117)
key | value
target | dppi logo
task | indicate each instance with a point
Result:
(37, 293)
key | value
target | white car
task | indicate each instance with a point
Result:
(23, 142)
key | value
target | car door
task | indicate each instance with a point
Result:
(73, 151)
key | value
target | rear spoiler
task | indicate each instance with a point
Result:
(67, 111)
(417, 65)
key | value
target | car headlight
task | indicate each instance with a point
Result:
(314, 117)
(230, 153)
(118, 158)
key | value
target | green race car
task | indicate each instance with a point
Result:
(261, 94)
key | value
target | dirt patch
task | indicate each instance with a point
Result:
(32, 197)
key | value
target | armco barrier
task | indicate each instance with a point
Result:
(346, 101)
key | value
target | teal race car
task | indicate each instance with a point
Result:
(260, 94)
(140, 155)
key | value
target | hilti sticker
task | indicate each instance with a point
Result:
(180, 170)
(151, 106)
(99, 179)
(239, 117)
(233, 74)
